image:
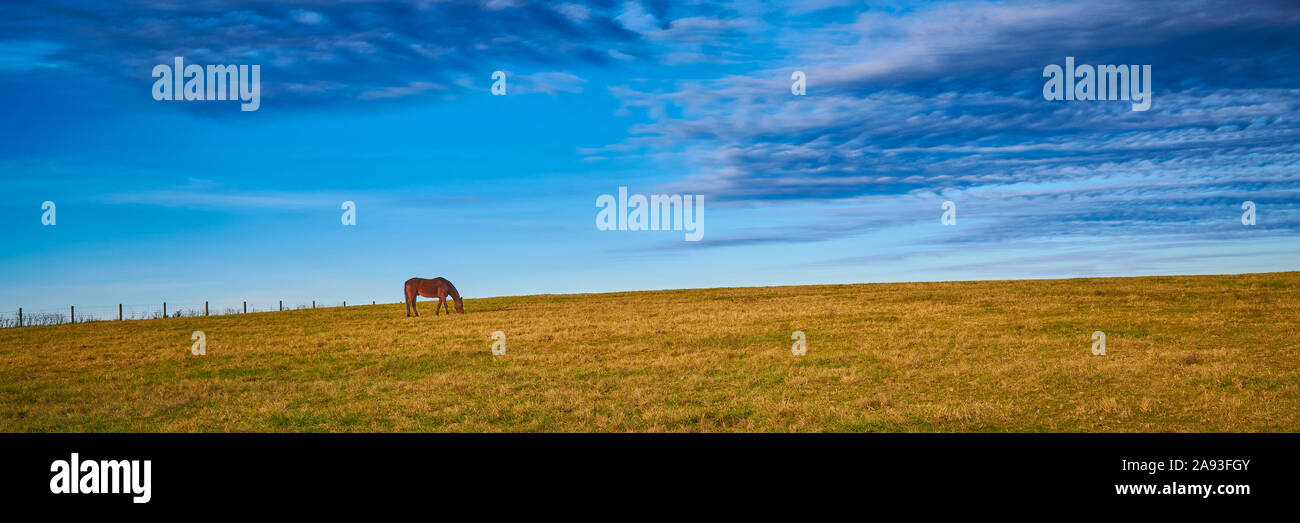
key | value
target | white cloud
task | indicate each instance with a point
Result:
(574, 12)
(409, 89)
(636, 18)
(307, 17)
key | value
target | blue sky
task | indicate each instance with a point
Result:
(388, 105)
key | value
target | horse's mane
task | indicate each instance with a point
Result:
(455, 295)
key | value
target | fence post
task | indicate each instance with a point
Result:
(119, 312)
(281, 305)
(20, 316)
(205, 308)
(313, 304)
(372, 302)
(245, 307)
(164, 309)
(72, 314)
(345, 304)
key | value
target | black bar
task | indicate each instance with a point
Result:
(924, 471)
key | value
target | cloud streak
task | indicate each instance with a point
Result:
(944, 103)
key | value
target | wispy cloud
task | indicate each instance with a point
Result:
(944, 102)
(224, 200)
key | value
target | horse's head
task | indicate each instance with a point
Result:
(455, 297)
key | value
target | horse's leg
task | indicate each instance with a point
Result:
(411, 294)
(442, 302)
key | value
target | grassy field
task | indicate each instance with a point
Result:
(1200, 353)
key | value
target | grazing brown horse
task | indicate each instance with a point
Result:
(435, 288)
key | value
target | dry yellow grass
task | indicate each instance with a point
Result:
(1202, 353)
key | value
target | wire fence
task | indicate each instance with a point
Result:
(124, 312)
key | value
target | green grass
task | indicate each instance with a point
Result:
(1197, 353)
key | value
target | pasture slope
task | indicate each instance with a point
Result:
(1185, 353)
